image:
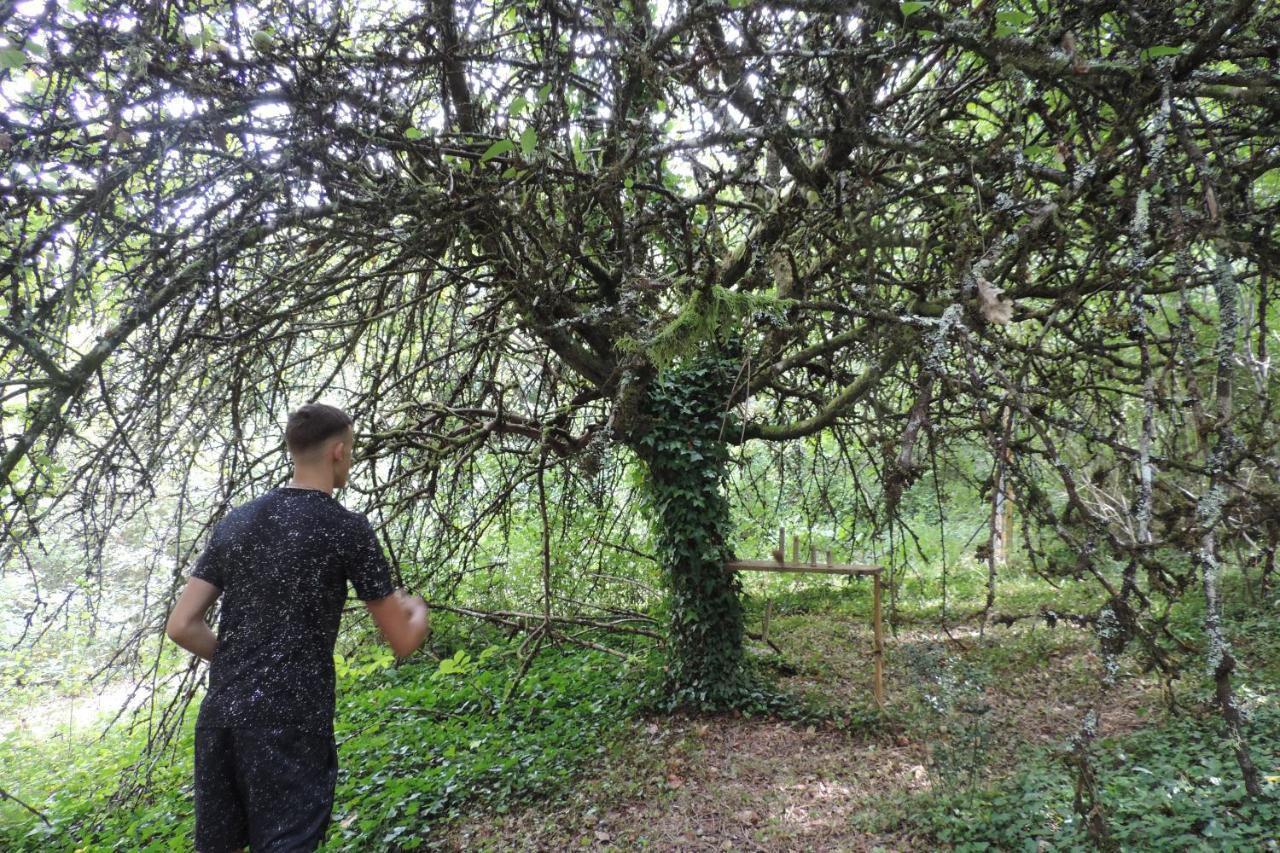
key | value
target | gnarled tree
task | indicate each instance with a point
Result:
(515, 231)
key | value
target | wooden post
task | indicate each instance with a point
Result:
(764, 630)
(795, 548)
(879, 639)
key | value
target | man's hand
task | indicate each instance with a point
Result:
(403, 620)
(186, 625)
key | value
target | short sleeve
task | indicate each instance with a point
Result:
(368, 570)
(209, 565)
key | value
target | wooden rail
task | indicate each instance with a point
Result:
(829, 568)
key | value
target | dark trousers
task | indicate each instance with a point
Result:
(270, 789)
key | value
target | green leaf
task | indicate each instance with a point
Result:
(413, 133)
(1014, 17)
(528, 141)
(497, 149)
(518, 105)
(12, 57)
(910, 8)
(1159, 50)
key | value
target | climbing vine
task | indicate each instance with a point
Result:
(687, 461)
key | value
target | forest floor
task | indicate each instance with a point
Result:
(969, 753)
(961, 709)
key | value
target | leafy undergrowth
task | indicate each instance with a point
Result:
(1171, 787)
(417, 744)
(969, 753)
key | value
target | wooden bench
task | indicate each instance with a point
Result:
(829, 568)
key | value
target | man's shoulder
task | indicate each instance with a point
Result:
(357, 521)
(243, 513)
(315, 508)
(349, 521)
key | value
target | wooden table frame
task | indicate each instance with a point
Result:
(814, 568)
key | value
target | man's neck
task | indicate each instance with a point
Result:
(318, 481)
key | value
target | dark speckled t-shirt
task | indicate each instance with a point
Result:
(283, 562)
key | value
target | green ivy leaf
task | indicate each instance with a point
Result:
(910, 8)
(413, 133)
(497, 149)
(1159, 50)
(528, 141)
(1014, 17)
(12, 57)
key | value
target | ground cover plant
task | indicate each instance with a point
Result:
(972, 751)
(417, 744)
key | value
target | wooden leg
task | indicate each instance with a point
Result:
(879, 639)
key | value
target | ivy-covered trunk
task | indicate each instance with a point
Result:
(686, 452)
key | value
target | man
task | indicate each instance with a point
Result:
(265, 757)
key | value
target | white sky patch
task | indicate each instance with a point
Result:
(12, 90)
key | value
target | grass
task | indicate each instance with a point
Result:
(969, 753)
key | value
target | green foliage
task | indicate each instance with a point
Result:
(687, 457)
(953, 693)
(421, 742)
(710, 317)
(417, 743)
(497, 149)
(1171, 787)
(71, 779)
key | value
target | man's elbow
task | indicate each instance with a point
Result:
(175, 629)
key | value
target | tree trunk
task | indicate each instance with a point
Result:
(687, 455)
(1209, 513)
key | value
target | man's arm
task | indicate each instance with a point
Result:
(186, 625)
(403, 620)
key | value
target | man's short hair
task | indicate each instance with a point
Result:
(313, 425)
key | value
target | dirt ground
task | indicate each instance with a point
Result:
(738, 783)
